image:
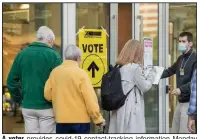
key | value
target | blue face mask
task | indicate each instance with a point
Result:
(182, 48)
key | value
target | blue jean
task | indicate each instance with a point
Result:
(69, 128)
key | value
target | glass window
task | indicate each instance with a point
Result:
(149, 12)
(93, 16)
(20, 23)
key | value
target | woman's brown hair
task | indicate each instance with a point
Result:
(132, 52)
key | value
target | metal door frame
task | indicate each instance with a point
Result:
(69, 25)
(163, 61)
(163, 19)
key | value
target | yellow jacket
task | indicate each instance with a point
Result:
(72, 95)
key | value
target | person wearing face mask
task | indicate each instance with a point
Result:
(26, 79)
(72, 94)
(183, 68)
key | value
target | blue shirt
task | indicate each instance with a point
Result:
(192, 104)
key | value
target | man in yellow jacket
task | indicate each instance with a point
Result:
(72, 95)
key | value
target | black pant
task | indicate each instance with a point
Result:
(68, 128)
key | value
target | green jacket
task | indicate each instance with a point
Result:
(29, 72)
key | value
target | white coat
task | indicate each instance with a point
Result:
(130, 117)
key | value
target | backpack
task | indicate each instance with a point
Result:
(112, 96)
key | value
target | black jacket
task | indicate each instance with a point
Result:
(183, 82)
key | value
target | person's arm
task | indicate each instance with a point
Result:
(192, 104)
(171, 70)
(191, 124)
(187, 87)
(48, 89)
(48, 86)
(57, 60)
(13, 81)
(142, 82)
(90, 99)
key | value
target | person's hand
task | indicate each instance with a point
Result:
(102, 124)
(190, 125)
(176, 92)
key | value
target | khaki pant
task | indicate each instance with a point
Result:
(39, 121)
(180, 119)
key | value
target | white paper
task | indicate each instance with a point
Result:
(148, 51)
(159, 72)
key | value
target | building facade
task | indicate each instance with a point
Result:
(160, 21)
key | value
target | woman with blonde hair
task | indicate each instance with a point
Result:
(130, 117)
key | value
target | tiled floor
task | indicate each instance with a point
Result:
(10, 125)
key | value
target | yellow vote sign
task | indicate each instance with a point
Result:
(93, 44)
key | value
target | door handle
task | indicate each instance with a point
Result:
(167, 89)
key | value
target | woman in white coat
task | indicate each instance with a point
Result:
(130, 117)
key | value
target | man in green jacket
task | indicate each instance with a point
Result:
(26, 80)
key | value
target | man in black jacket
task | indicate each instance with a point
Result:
(183, 68)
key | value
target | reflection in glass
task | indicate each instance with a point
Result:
(20, 22)
(149, 12)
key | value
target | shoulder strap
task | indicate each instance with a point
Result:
(117, 66)
(135, 86)
(130, 90)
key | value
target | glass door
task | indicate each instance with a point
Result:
(93, 16)
(182, 17)
(146, 26)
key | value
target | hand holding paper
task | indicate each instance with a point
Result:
(159, 70)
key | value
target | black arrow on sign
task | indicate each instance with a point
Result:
(93, 67)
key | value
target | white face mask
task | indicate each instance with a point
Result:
(182, 47)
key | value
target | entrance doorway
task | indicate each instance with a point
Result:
(182, 17)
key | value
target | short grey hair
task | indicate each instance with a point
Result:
(45, 34)
(72, 52)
